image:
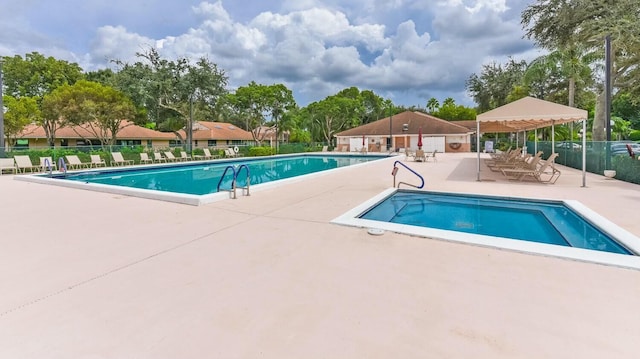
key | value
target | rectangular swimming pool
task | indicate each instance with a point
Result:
(197, 182)
(491, 220)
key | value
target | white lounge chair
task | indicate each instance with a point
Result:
(157, 157)
(170, 157)
(8, 164)
(118, 160)
(97, 161)
(184, 156)
(144, 158)
(73, 162)
(23, 163)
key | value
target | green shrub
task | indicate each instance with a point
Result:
(261, 151)
(634, 135)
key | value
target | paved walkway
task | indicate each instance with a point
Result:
(94, 275)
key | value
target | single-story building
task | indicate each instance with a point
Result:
(217, 134)
(34, 136)
(402, 130)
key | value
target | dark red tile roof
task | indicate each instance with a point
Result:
(205, 130)
(413, 120)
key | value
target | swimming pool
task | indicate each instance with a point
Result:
(197, 183)
(560, 228)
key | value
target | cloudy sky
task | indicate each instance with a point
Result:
(405, 50)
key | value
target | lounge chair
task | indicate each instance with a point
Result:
(431, 155)
(229, 152)
(543, 168)
(170, 157)
(46, 163)
(419, 156)
(207, 155)
(97, 161)
(118, 160)
(23, 163)
(8, 164)
(526, 162)
(144, 158)
(74, 163)
(184, 156)
(157, 157)
(325, 148)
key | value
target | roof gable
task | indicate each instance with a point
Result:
(413, 120)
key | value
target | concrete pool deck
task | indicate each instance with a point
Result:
(95, 275)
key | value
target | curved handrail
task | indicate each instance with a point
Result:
(248, 176)
(62, 166)
(47, 164)
(395, 170)
(224, 174)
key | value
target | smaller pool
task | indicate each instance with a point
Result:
(516, 223)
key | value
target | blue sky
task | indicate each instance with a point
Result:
(405, 50)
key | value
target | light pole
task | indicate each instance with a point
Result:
(190, 127)
(1, 115)
(390, 145)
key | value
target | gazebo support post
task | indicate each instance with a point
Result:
(478, 147)
(584, 152)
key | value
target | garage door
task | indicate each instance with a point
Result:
(429, 144)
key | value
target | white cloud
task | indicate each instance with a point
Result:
(405, 49)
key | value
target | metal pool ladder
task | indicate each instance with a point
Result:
(236, 172)
(395, 172)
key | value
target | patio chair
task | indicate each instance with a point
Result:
(8, 164)
(157, 157)
(325, 148)
(23, 163)
(431, 155)
(208, 155)
(184, 156)
(74, 163)
(542, 169)
(46, 163)
(97, 161)
(144, 158)
(228, 152)
(118, 160)
(419, 156)
(170, 157)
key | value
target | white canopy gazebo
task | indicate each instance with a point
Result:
(527, 114)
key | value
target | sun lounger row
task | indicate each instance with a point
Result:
(534, 167)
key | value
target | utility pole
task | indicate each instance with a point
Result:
(1, 115)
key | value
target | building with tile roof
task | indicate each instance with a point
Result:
(217, 134)
(401, 131)
(34, 136)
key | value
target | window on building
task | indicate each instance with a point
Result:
(212, 143)
(22, 144)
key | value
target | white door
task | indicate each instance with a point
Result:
(355, 144)
(431, 143)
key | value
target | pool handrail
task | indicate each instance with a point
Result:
(235, 179)
(395, 171)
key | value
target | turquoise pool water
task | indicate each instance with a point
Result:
(200, 178)
(529, 220)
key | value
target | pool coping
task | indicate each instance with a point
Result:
(188, 199)
(630, 241)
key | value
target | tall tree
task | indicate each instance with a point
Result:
(170, 89)
(261, 106)
(99, 109)
(433, 105)
(20, 112)
(492, 87)
(35, 76)
(561, 24)
(334, 114)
